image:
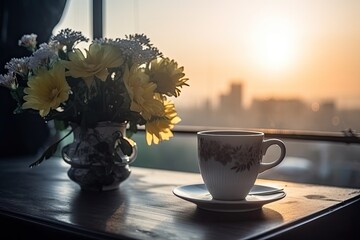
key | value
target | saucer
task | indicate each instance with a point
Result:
(198, 194)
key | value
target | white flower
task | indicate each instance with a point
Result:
(45, 54)
(18, 65)
(28, 41)
(8, 80)
(137, 48)
(69, 38)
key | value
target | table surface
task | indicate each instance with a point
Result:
(145, 208)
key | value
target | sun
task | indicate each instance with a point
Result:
(274, 45)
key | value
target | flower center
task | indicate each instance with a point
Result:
(54, 93)
(164, 82)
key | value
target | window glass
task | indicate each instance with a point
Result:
(77, 16)
(257, 64)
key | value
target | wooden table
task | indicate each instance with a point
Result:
(43, 202)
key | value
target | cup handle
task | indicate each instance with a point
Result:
(266, 145)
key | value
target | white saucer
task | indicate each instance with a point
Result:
(198, 194)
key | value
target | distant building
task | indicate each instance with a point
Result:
(279, 113)
(232, 101)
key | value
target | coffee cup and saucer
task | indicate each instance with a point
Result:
(229, 163)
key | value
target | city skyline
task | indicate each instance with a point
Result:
(279, 113)
(222, 99)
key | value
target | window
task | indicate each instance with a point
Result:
(77, 16)
(289, 66)
(258, 64)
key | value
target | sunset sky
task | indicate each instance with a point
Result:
(307, 49)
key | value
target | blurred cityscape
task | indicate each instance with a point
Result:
(295, 114)
(315, 162)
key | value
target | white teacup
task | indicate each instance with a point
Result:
(230, 161)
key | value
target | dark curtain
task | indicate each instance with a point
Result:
(25, 133)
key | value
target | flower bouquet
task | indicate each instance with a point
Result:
(126, 81)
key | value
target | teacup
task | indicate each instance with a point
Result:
(230, 161)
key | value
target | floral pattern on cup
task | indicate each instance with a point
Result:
(246, 156)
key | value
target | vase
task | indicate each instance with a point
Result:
(97, 161)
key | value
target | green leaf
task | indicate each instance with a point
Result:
(48, 152)
(46, 155)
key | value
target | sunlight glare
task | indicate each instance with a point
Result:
(274, 45)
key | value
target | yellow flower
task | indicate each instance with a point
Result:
(158, 128)
(141, 93)
(167, 76)
(47, 90)
(98, 59)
